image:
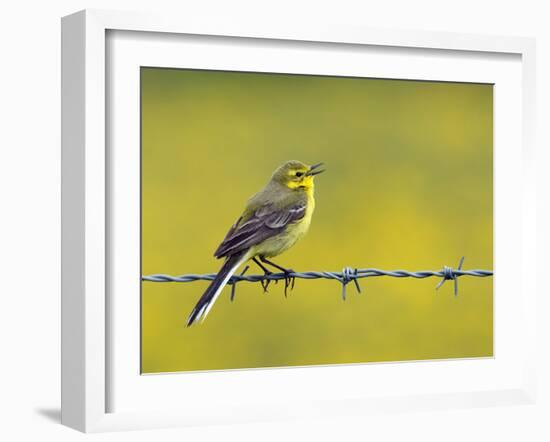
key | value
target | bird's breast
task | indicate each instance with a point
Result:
(302, 226)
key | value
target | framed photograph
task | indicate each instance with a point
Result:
(288, 222)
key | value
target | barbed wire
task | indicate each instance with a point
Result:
(347, 275)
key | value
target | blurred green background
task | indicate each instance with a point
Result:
(408, 185)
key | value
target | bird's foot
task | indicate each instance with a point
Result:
(265, 282)
(289, 280)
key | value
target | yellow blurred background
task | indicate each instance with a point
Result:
(408, 186)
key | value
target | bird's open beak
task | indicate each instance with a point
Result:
(313, 170)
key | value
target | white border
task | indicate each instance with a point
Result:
(84, 382)
(131, 392)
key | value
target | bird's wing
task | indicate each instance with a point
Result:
(265, 222)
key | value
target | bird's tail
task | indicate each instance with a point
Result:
(209, 297)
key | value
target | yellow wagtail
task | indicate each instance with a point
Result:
(272, 221)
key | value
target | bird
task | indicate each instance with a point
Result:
(273, 220)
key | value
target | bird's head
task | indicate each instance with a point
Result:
(296, 175)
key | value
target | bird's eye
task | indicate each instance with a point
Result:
(299, 174)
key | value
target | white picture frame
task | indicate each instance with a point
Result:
(86, 315)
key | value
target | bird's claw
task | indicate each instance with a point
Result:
(289, 280)
(265, 282)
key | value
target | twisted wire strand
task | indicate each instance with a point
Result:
(361, 273)
(347, 275)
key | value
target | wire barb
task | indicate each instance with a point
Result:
(347, 275)
(234, 282)
(450, 274)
